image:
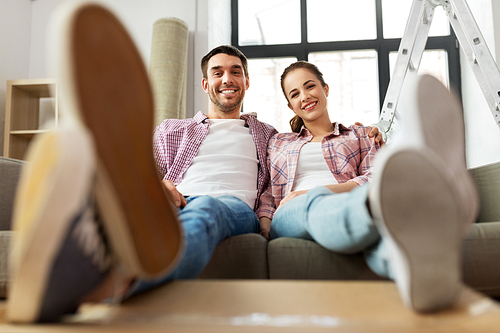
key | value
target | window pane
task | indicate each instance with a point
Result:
(395, 16)
(267, 22)
(353, 80)
(264, 95)
(340, 20)
(434, 62)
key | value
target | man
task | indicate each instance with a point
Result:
(103, 140)
(103, 149)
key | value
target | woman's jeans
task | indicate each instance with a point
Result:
(206, 221)
(339, 222)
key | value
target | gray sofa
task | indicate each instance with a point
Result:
(250, 256)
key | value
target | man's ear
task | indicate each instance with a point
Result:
(247, 81)
(204, 84)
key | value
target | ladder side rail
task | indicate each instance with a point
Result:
(409, 55)
(478, 54)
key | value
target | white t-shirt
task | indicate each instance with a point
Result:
(312, 170)
(226, 163)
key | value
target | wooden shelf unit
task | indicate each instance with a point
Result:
(22, 113)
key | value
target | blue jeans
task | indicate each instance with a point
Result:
(206, 221)
(339, 222)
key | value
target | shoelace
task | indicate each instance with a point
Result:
(89, 237)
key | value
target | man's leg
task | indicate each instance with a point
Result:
(206, 221)
(61, 251)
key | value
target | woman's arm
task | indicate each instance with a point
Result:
(335, 188)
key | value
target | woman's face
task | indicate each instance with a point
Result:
(306, 96)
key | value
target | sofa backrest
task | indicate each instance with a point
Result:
(487, 178)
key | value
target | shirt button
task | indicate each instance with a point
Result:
(326, 149)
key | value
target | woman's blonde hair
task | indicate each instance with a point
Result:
(296, 122)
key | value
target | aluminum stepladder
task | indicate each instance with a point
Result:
(412, 47)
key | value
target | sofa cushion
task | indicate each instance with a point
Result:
(291, 258)
(239, 257)
(9, 175)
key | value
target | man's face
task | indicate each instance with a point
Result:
(226, 82)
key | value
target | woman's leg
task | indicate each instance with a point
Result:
(339, 222)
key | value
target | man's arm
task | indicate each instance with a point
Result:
(375, 133)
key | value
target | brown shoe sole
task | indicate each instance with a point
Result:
(116, 104)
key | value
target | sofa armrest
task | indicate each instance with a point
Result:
(9, 176)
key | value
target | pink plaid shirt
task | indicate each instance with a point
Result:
(348, 152)
(176, 143)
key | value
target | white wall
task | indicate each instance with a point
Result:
(138, 16)
(24, 25)
(483, 135)
(15, 24)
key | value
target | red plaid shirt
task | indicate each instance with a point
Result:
(348, 152)
(176, 143)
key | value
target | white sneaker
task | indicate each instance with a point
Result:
(422, 197)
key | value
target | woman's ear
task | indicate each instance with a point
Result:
(327, 90)
(290, 106)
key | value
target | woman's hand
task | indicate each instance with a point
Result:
(265, 227)
(175, 196)
(341, 188)
(289, 197)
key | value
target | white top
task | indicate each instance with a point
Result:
(229, 153)
(312, 170)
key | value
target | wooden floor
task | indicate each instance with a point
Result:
(273, 306)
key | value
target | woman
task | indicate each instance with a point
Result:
(312, 168)
(409, 222)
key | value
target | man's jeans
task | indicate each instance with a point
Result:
(339, 222)
(206, 221)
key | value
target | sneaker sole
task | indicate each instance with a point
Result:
(421, 225)
(118, 110)
(435, 121)
(53, 186)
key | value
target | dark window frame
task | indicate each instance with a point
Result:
(382, 46)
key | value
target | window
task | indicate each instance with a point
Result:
(354, 44)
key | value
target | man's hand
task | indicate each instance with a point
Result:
(175, 196)
(265, 227)
(374, 132)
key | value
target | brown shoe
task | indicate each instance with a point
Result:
(105, 87)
